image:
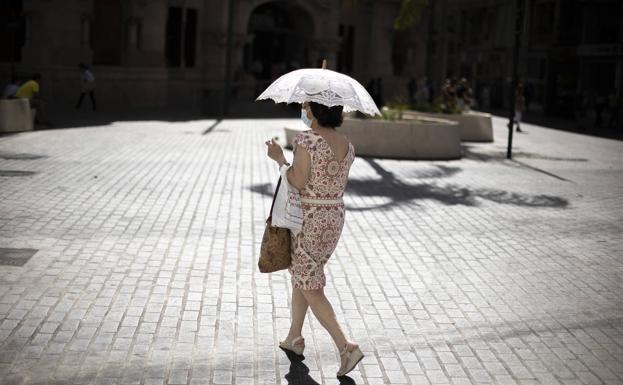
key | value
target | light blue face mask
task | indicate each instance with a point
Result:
(305, 119)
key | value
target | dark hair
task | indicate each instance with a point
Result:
(327, 116)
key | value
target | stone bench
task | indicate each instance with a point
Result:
(422, 138)
(15, 115)
(474, 126)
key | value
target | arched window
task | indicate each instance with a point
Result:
(281, 34)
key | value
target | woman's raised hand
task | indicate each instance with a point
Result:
(274, 151)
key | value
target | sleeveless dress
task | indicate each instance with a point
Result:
(323, 211)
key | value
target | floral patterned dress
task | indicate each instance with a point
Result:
(323, 211)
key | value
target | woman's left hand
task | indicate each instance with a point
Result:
(274, 151)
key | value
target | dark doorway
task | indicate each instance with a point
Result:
(563, 87)
(181, 37)
(281, 33)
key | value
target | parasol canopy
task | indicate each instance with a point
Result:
(322, 86)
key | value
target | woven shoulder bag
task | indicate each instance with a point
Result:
(275, 250)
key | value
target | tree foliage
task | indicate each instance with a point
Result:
(410, 14)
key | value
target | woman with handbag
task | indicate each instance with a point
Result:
(322, 160)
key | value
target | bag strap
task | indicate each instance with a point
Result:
(274, 197)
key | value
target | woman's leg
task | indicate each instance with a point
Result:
(322, 309)
(299, 311)
(80, 100)
(92, 96)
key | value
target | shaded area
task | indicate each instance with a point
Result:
(539, 170)
(520, 330)
(298, 374)
(19, 156)
(399, 192)
(247, 109)
(212, 127)
(63, 118)
(526, 328)
(449, 195)
(470, 153)
(561, 124)
(264, 189)
(15, 257)
(438, 172)
(10, 173)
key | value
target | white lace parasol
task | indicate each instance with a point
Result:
(322, 86)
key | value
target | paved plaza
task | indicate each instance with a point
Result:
(146, 234)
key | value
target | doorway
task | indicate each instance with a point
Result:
(280, 40)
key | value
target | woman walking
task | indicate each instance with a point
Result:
(87, 81)
(322, 160)
(520, 105)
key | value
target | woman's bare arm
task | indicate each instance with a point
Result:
(298, 174)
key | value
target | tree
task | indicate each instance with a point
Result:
(410, 14)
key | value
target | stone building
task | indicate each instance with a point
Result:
(571, 51)
(159, 53)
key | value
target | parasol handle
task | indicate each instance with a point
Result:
(324, 64)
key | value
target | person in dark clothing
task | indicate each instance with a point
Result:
(520, 105)
(87, 86)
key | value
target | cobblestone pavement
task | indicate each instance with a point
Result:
(475, 271)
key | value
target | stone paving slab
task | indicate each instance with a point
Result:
(478, 271)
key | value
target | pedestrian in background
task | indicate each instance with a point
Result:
(422, 97)
(448, 91)
(520, 105)
(87, 80)
(11, 89)
(30, 90)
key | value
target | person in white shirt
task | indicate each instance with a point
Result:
(87, 85)
(11, 89)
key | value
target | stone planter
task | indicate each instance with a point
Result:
(422, 138)
(474, 126)
(15, 115)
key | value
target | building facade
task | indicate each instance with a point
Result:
(174, 52)
(571, 52)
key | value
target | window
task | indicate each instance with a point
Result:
(543, 18)
(399, 52)
(190, 37)
(181, 37)
(13, 29)
(347, 48)
(174, 37)
(85, 32)
(107, 32)
(134, 34)
(602, 22)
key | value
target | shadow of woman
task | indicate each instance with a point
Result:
(299, 373)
